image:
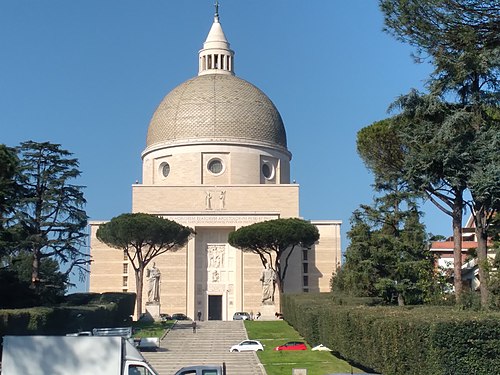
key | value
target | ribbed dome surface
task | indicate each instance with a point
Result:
(216, 107)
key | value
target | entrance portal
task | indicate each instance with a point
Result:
(215, 307)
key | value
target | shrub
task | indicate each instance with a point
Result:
(397, 340)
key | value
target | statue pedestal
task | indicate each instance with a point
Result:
(153, 309)
(268, 312)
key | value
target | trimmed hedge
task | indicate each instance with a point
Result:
(90, 311)
(399, 340)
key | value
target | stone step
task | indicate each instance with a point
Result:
(209, 345)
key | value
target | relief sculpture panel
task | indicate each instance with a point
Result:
(216, 267)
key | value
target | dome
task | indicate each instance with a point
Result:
(214, 108)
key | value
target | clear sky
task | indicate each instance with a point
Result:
(89, 75)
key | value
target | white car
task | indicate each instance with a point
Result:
(246, 346)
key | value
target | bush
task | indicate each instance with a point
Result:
(79, 299)
(15, 293)
(100, 310)
(397, 340)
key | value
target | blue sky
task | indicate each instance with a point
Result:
(89, 75)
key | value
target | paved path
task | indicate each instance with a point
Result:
(209, 345)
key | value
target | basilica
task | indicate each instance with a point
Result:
(216, 159)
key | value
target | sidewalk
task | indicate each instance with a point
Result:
(209, 345)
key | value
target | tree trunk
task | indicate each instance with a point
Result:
(482, 255)
(35, 269)
(139, 277)
(457, 248)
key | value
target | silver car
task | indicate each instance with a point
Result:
(241, 316)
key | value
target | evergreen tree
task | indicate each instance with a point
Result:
(461, 38)
(388, 254)
(8, 195)
(49, 221)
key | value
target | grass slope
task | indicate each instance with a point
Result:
(274, 333)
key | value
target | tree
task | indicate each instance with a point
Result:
(143, 237)
(494, 234)
(8, 192)
(381, 150)
(358, 275)
(52, 284)
(50, 220)
(437, 137)
(274, 242)
(388, 253)
(462, 40)
(484, 185)
(460, 37)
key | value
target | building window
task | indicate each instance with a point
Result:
(165, 169)
(268, 170)
(215, 166)
(125, 256)
(305, 267)
(304, 254)
(305, 290)
(125, 281)
(305, 280)
(125, 268)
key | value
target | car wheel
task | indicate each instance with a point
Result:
(259, 350)
(235, 350)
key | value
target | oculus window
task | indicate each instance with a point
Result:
(164, 169)
(215, 166)
(268, 170)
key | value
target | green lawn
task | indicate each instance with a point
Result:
(151, 329)
(274, 333)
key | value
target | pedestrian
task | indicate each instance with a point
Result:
(194, 326)
(199, 315)
(258, 315)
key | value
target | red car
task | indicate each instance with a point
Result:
(292, 345)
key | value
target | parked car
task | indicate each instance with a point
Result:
(165, 317)
(241, 316)
(292, 345)
(203, 370)
(247, 346)
(179, 316)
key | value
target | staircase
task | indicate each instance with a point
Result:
(209, 345)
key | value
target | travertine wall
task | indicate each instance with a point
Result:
(188, 165)
(283, 199)
(189, 275)
(325, 256)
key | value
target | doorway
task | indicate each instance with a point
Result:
(215, 307)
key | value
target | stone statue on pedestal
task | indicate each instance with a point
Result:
(268, 279)
(153, 274)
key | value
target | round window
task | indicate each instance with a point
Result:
(165, 169)
(267, 170)
(215, 166)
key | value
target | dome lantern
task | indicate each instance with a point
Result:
(216, 56)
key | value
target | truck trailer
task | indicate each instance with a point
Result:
(76, 355)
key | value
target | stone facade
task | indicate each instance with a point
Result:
(216, 160)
